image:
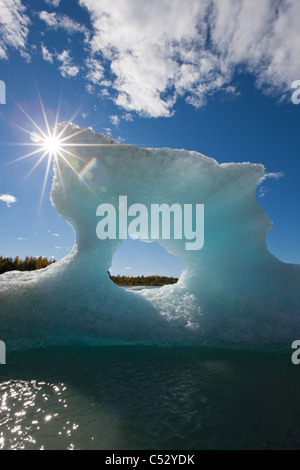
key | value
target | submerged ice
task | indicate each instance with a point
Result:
(233, 291)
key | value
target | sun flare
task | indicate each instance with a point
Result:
(52, 145)
(49, 145)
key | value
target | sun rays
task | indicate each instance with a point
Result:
(54, 144)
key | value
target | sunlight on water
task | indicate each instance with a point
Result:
(25, 413)
(116, 398)
(37, 415)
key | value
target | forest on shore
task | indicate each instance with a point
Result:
(29, 264)
(32, 264)
(142, 281)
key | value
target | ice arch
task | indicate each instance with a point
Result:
(232, 291)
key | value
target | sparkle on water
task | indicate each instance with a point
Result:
(148, 398)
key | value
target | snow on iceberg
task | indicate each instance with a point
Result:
(232, 292)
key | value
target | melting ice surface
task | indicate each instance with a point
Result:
(232, 292)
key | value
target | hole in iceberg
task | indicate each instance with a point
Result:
(138, 264)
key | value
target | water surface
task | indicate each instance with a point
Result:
(138, 397)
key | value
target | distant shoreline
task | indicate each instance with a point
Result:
(141, 281)
(33, 264)
(28, 264)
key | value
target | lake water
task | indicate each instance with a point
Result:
(136, 397)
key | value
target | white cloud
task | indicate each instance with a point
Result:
(95, 71)
(14, 30)
(263, 35)
(89, 88)
(47, 56)
(8, 199)
(22, 239)
(271, 176)
(115, 120)
(262, 190)
(105, 93)
(107, 131)
(67, 68)
(56, 235)
(143, 44)
(53, 3)
(147, 55)
(164, 49)
(128, 117)
(128, 268)
(56, 21)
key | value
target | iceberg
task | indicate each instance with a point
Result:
(232, 292)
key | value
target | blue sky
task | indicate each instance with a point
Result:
(181, 74)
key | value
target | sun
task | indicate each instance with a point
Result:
(52, 145)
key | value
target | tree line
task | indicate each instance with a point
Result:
(32, 264)
(28, 264)
(149, 281)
